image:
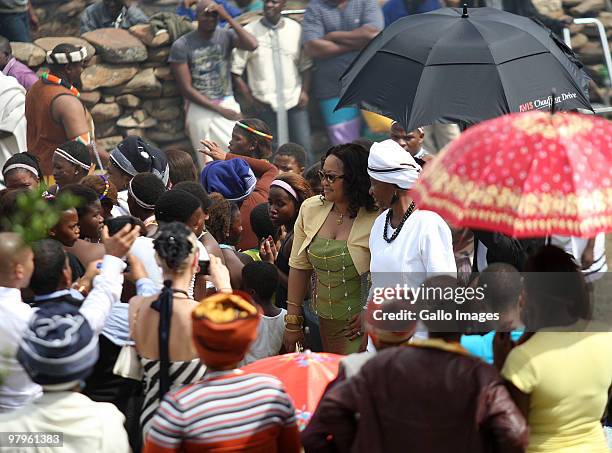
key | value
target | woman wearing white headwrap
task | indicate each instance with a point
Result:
(407, 244)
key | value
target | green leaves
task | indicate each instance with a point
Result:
(34, 215)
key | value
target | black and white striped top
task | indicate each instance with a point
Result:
(181, 373)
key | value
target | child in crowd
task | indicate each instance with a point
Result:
(311, 175)
(264, 229)
(290, 157)
(259, 280)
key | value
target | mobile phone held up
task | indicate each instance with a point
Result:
(115, 225)
(204, 267)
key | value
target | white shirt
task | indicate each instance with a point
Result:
(16, 388)
(86, 426)
(144, 251)
(423, 248)
(261, 71)
(575, 246)
(122, 207)
(269, 338)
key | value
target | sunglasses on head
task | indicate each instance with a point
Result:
(330, 178)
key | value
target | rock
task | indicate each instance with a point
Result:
(129, 100)
(144, 32)
(167, 114)
(49, 43)
(588, 7)
(115, 91)
(136, 132)
(548, 7)
(29, 54)
(96, 59)
(164, 73)
(104, 75)
(591, 53)
(151, 105)
(596, 73)
(579, 41)
(153, 64)
(593, 32)
(159, 54)
(72, 8)
(183, 144)
(106, 129)
(151, 94)
(116, 45)
(139, 115)
(164, 137)
(106, 112)
(90, 98)
(109, 143)
(570, 3)
(108, 99)
(129, 122)
(170, 89)
(144, 82)
(171, 126)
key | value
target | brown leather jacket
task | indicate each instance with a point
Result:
(424, 399)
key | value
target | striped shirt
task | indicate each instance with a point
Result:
(226, 411)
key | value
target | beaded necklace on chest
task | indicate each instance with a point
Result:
(386, 237)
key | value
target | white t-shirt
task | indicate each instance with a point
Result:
(269, 338)
(575, 246)
(423, 248)
(121, 208)
(144, 251)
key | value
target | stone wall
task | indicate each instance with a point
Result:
(585, 38)
(127, 85)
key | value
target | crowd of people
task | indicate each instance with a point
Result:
(125, 327)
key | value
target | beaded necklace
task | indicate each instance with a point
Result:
(57, 81)
(399, 227)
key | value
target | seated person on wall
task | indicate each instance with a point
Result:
(112, 14)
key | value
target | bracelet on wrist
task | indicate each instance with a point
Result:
(296, 320)
(294, 304)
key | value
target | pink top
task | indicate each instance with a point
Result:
(24, 75)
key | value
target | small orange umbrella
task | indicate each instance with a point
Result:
(525, 175)
(305, 376)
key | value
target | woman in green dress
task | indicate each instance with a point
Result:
(331, 238)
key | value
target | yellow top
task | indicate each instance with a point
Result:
(312, 215)
(567, 374)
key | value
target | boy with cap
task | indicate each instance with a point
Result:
(224, 325)
(132, 156)
(58, 351)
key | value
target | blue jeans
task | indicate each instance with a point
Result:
(299, 128)
(15, 27)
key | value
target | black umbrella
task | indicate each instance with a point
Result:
(454, 66)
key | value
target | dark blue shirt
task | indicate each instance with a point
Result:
(396, 9)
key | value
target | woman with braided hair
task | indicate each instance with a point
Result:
(160, 325)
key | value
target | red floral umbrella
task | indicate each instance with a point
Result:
(305, 376)
(526, 175)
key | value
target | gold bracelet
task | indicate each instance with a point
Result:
(296, 320)
(292, 330)
(294, 304)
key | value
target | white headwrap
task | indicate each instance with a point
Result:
(389, 162)
(66, 58)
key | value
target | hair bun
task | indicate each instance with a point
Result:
(172, 244)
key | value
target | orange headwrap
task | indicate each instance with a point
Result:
(224, 326)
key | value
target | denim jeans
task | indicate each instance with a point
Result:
(299, 128)
(15, 27)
